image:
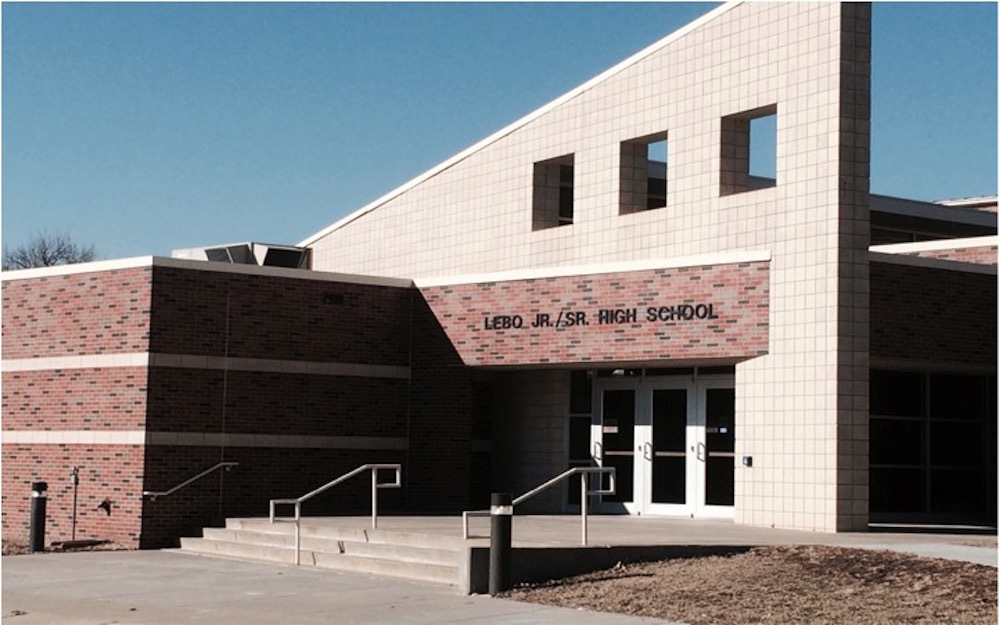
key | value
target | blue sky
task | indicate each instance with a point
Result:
(140, 128)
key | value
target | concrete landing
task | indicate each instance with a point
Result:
(975, 545)
(168, 588)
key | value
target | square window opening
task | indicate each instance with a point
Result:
(644, 164)
(749, 151)
(553, 200)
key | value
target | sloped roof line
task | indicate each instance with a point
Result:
(523, 121)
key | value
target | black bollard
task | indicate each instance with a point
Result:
(501, 542)
(36, 535)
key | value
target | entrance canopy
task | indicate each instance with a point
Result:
(665, 313)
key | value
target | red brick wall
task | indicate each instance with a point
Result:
(283, 318)
(268, 318)
(476, 317)
(75, 399)
(978, 255)
(103, 312)
(95, 313)
(928, 314)
(114, 472)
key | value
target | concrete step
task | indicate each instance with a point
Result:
(247, 551)
(407, 555)
(326, 529)
(433, 573)
(405, 552)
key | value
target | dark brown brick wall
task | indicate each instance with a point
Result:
(186, 400)
(440, 457)
(925, 314)
(282, 318)
(263, 474)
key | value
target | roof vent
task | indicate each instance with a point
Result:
(260, 254)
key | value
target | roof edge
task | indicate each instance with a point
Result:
(523, 121)
(936, 245)
(201, 265)
(732, 257)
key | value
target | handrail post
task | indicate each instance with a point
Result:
(583, 496)
(298, 542)
(374, 498)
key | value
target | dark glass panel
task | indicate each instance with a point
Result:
(957, 491)
(955, 444)
(896, 441)
(669, 420)
(957, 397)
(896, 490)
(580, 393)
(625, 475)
(720, 478)
(669, 479)
(619, 440)
(720, 412)
(896, 393)
(579, 440)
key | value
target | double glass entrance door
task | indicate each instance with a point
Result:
(672, 443)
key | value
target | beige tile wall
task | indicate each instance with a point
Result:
(803, 408)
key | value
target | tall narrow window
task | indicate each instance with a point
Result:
(749, 150)
(553, 203)
(643, 173)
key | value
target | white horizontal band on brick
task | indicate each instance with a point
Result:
(698, 260)
(73, 437)
(199, 439)
(92, 361)
(103, 361)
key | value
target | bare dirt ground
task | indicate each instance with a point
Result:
(17, 548)
(799, 584)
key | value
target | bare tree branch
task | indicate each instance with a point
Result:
(45, 250)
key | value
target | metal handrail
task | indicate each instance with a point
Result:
(585, 492)
(297, 501)
(154, 494)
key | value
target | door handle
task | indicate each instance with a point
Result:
(598, 451)
(701, 451)
(647, 451)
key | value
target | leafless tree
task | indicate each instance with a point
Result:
(46, 250)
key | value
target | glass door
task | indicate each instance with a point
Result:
(667, 464)
(672, 443)
(614, 444)
(714, 448)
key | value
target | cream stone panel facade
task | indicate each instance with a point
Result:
(802, 409)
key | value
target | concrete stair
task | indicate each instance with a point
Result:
(421, 557)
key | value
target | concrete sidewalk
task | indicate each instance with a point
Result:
(171, 588)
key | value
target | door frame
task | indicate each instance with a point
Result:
(695, 444)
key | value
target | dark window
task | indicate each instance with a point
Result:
(932, 447)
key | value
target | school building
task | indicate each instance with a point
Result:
(608, 281)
